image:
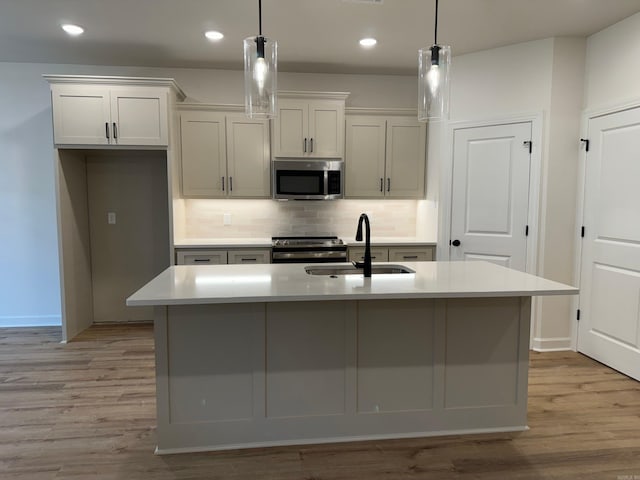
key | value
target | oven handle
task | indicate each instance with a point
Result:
(308, 256)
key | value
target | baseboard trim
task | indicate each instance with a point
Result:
(31, 321)
(556, 344)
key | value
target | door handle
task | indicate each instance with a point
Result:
(456, 243)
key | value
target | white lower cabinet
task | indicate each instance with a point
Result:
(223, 256)
(419, 253)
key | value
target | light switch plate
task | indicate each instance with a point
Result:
(226, 219)
(111, 218)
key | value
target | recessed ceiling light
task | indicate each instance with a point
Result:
(368, 42)
(72, 29)
(213, 35)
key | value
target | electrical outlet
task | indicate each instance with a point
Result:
(111, 218)
(226, 219)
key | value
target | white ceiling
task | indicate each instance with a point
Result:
(313, 35)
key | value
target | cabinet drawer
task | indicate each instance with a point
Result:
(201, 257)
(378, 254)
(249, 256)
(408, 254)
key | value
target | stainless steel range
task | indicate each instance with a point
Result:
(307, 250)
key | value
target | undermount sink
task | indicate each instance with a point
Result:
(335, 270)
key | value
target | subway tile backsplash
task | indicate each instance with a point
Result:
(266, 218)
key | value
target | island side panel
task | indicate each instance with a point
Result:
(486, 363)
(250, 375)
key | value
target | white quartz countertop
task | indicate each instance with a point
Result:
(201, 284)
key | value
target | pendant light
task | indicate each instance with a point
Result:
(260, 71)
(433, 79)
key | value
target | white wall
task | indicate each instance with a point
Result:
(29, 286)
(546, 77)
(612, 66)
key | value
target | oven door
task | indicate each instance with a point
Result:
(324, 256)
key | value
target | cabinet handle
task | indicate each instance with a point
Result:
(222, 183)
(410, 257)
(305, 145)
(202, 260)
(373, 257)
(231, 184)
(311, 145)
(388, 184)
(115, 131)
(382, 184)
(106, 129)
(247, 259)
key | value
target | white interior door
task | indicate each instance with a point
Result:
(609, 328)
(490, 194)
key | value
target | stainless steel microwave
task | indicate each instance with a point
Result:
(307, 179)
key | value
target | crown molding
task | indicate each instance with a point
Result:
(113, 80)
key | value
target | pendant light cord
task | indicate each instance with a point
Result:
(260, 16)
(435, 40)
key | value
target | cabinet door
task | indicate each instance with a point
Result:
(201, 257)
(411, 254)
(249, 256)
(139, 116)
(81, 115)
(248, 160)
(406, 159)
(204, 154)
(378, 254)
(364, 160)
(290, 129)
(326, 129)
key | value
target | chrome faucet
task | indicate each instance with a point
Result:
(367, 246)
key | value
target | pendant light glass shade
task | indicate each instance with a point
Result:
(433, 83)
(260, 72)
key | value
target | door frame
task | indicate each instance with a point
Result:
(587, 115)
(446, 182)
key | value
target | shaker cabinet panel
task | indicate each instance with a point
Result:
(224, 155)
(109, 115)
(290, 129)
(140, 117)
(385, 157)
(81, 115)
(248, 157)
(365, 156)
(405, 153)
(203, 154)
(309, 129)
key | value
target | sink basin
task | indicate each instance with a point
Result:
(335, 270)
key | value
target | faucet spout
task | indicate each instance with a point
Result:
(367, 246)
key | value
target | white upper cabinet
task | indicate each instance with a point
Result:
(204, 154)
(385, 157)
(111, 111)
(224, 155)
(310, 127)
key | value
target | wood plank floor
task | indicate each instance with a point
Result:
(86, 410)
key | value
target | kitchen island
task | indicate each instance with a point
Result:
(258, 355)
